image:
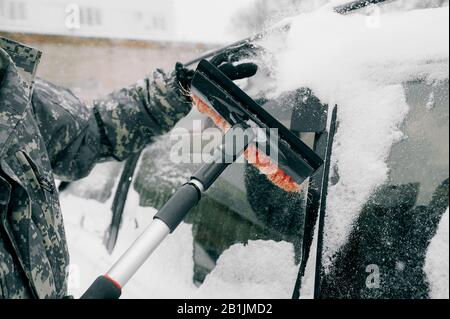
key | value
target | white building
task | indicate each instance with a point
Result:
(128, 19)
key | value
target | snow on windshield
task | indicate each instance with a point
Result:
(359, 63)
(437, 261)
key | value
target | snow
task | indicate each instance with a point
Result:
(437, 261)
(103, 174)
(359, 64)
(258, 270)
(308, 279)
(431, 102)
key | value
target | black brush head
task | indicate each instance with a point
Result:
(215, 89)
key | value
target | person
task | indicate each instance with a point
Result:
(46, 131)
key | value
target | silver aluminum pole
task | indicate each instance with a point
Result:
(137, 254)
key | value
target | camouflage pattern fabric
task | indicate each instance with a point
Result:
(25, 59)
(45, 130)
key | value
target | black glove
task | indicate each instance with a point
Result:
(184, 76)
(224, 62)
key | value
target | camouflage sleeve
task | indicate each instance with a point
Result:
(130, 117)
(122, 123)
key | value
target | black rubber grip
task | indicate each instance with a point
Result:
(208, 173)
(103, 288)
(176, 208)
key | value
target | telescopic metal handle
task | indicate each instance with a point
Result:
(110, 285)
(168, 218)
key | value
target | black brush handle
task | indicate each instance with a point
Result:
(207, 174)
(176, 208)
(103, 288)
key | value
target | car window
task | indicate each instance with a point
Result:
(387, 247)
(422, 158)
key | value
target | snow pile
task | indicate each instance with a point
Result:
(436, 263)
(258, 270)
(104, 175)
(359, 62)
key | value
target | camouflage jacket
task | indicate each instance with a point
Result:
(45, 130)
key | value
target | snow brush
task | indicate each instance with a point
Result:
(287, 162)
(227, 105)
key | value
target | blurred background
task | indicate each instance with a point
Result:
(95, 46)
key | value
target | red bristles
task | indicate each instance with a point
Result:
(253, 155)
(205, 109)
